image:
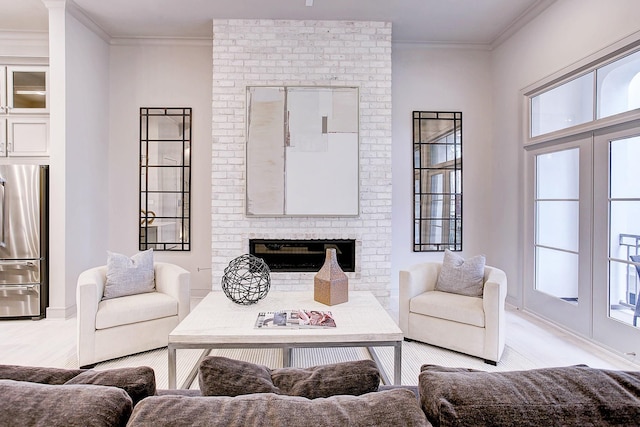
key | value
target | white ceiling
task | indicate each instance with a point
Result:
(483, 22)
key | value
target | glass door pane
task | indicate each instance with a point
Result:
(624, 228)
(27, 89)
(556, 224)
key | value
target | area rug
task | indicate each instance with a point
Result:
(414, 355)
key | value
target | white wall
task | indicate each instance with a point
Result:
(428, 78)
(78, 172)
(159, 74)
(566, 32)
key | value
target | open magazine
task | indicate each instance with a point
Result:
(295, 319)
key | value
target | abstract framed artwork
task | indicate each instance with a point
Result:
(302, 151)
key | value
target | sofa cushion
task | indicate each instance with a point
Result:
(129, 276)
(354, 378)
(385, 408)
(37, 374)
(445, 305)
(135, 309)
(221, 376)
(138, 382)
(577, 395)
(33, 404)
(460, 276)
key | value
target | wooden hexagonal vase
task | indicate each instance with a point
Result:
(330, 284)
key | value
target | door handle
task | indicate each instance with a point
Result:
(3, 212)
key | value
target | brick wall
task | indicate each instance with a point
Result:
(303, 53)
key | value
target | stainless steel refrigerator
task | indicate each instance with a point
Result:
(24, 207)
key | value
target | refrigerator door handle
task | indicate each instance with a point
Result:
(27, 288)
(3, 212)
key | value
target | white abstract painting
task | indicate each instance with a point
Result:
(302, 151)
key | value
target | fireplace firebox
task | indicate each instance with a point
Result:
(288, 255)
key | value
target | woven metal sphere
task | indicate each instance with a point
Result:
(246, 280)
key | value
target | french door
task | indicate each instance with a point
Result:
(558, 222)
(583, 234)
(616, 234)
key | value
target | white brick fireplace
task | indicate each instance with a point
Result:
(303, 53)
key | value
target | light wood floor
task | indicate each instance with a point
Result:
(51, 342)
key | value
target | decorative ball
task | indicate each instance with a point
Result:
(246, 280)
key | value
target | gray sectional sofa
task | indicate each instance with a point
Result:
(235, 393)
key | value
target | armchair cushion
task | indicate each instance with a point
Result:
(134, 309)
(129, 276)
(444, 305)
(460, 276)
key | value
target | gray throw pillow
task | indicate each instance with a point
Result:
(129, 276)
(37, 374)
(33, 404)
(139, 382)
(460, 276)
(221, 376)
(352, 378)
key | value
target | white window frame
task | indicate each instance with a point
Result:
(601, 58)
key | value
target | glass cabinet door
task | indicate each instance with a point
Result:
(27, 89)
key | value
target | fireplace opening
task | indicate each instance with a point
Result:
(302, 255)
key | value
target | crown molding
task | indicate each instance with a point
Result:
(527, 16)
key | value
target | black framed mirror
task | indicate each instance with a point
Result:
(165, 179)
(437, 171)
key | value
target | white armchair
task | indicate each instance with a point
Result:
(470, 325)
(117, 327)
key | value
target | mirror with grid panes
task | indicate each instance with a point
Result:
(165, 179)
(437, 172)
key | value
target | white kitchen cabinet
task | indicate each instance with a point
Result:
(24, 108)
(26, 90)
(27, 136)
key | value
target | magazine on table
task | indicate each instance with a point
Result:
(295, 319)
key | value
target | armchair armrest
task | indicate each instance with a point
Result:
(415, 280)
(493, 301)
(89, 292)
(174, 281)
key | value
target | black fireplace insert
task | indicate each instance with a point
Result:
(287, 255)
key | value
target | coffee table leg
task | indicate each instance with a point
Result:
(397, 363)
(286, 357)
(172, 367)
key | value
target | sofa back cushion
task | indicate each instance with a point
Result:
(570, 396)
(138, 382)
(33, 404)
(397, 407)
(354, 378)
(36, 374)
(221, 376)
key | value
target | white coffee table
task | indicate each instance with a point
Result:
(217, 322)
